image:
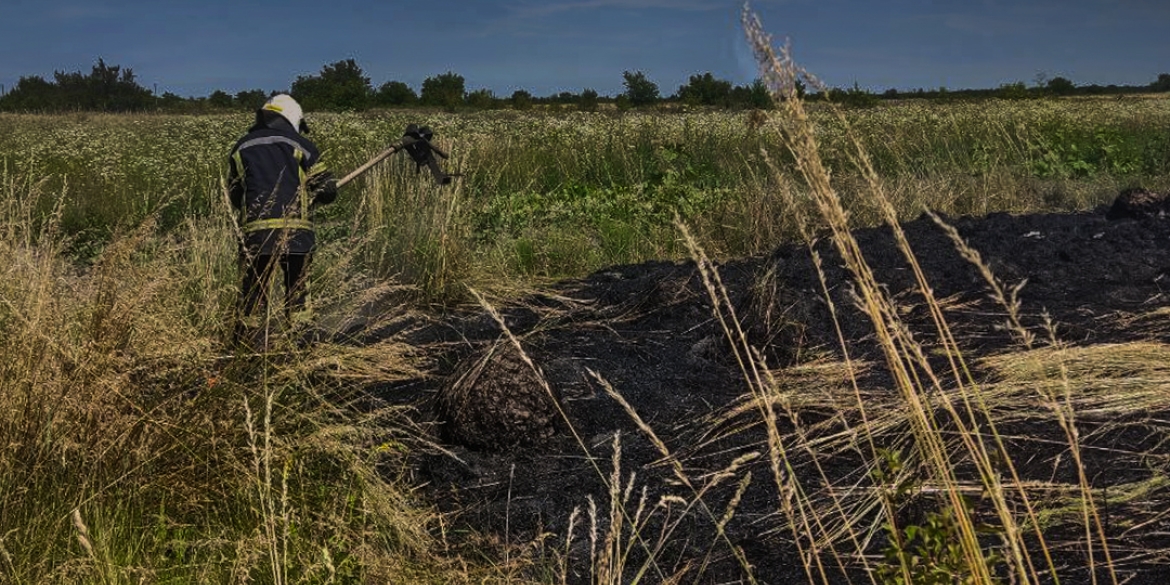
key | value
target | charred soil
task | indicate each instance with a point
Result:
(530, 435)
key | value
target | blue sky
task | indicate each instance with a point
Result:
(193, 47)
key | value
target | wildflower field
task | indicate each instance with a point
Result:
(555, 194)
(136, 448)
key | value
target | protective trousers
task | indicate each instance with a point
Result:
(258, 272)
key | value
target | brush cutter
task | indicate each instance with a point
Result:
(416, 141)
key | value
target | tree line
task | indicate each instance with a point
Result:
(344, 86)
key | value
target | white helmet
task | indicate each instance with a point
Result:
(286, 106)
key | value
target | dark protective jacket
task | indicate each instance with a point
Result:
(269, 169)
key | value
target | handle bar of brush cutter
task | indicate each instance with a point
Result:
(397, 146)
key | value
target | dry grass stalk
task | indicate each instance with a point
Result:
(782, 473)
(698, 492)
(83, 534)
(1060, 406)
(651, 562)
(905, 358)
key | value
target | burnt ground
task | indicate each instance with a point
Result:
(516, 470)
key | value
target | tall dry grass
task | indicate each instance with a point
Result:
(136, 448)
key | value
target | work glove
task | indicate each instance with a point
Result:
(323, 188)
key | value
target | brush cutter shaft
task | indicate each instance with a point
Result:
(397, 146)
(438, 151)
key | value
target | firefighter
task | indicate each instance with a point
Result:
(275, 179)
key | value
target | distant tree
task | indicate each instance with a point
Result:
(1093, 89)
(761, 97)
(890, 94)
(73, 91)
(481, 99)
(1012, 91)
(445, 90)
(521, 100)
(107, 88)
(31, 93)
(705, 90)
(395, 93)
(588, 101)
(349, 86)
(1162, 83)
(171, 101)
(1060, 86)
(220, 99)
(622, 102)
(754, 96)
(854, 97)
(639, 90)
(312, 92)
(340, 86)
(113, 88)
(251, 99)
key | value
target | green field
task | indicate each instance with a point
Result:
(184, 466)
(560, 194)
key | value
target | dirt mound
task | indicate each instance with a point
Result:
(648, 332)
